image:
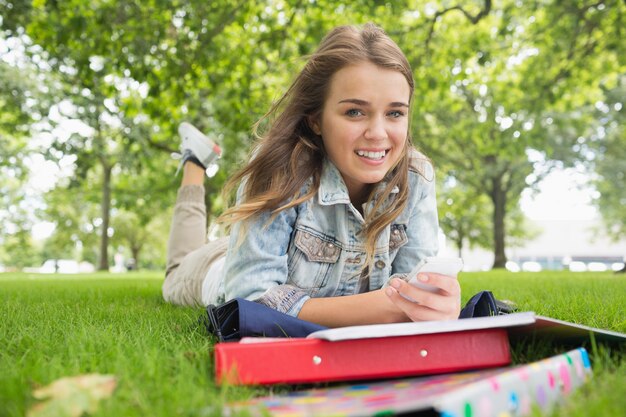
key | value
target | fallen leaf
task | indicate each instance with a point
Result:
(72, 396)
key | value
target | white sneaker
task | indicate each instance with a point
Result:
(198, 148)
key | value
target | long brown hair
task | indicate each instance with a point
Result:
(288, 153)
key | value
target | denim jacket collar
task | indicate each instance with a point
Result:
(333, 189)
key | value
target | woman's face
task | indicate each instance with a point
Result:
(364, 124)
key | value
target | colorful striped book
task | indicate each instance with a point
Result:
(511, 391)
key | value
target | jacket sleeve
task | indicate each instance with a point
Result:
(422, 227)
(256, 263)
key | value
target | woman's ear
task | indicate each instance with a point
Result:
(314, 125)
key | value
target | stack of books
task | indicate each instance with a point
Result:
(469, 359)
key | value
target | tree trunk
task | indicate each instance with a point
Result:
(135, 251)
(498, 198)
(106, 217)
(459, 244)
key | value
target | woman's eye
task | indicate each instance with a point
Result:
(354, 113)
(396, 113)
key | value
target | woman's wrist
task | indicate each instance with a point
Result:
(373, 307)
(392, 314)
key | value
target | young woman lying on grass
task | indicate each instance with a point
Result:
(334, 206)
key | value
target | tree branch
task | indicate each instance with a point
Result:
(473, 19)
(575, 53)
(160, 146)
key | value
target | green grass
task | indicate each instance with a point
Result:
(53, 326)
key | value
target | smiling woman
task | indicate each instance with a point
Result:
(335, 207)
(364, 125)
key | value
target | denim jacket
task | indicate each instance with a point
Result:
(314, 249)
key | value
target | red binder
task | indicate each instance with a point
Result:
(317, 360)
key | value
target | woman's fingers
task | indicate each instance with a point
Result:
(444, 304)
(414, 310)
(448, 284)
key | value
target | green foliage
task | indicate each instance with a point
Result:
(464, 217)
(483, 93)
(20, 104)
(610, 160)
(74, 210)
(143, 242)
(495, 82)
(18, 249)
(485, 90)
(14, 94)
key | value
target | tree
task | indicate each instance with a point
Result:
(178, 58)
(464, 217)
(132, 234)
(487, 96)
(494, 82)
(92, 94)
(607, 151)
(74, 210)
(14, 127)
(18, 249)
(20, 100)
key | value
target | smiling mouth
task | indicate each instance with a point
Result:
(374, 156)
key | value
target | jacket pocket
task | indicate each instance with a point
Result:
(397, 237)
(311, 259)
(317, 249)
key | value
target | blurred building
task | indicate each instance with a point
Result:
(577, 245)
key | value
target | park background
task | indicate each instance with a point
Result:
(507, 93)
(518, 103)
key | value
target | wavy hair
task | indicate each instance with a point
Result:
(288, 153)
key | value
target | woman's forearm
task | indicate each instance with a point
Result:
(352, 310)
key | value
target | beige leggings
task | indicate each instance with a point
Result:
(189, 256)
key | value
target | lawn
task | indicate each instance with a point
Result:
(52, 326)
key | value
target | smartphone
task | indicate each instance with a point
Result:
(445, 266)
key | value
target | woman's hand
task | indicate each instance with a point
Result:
(445, 304)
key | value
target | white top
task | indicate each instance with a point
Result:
(213, 284)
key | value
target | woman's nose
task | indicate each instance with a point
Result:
(376, 129)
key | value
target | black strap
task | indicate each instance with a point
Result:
(484, 304)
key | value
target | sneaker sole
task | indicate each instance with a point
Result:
(190, 132)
